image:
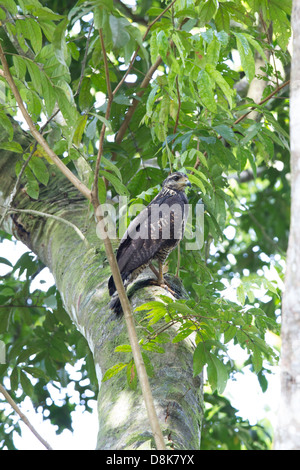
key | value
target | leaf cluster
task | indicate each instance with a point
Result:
(40, 340)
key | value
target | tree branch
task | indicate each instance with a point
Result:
(52, 216)
(95, 198)
(23, 417)
(262, 102)
(237, 121)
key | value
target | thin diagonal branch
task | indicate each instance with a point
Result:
(52, 216)
(237, 121)
(84, 59)
(25, 420)
(107, 114)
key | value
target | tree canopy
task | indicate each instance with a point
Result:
(155, 87)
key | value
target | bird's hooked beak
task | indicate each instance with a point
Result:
(188, 183)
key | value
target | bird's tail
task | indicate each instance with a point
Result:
(111, 286)
(111, 283)
(115, 303)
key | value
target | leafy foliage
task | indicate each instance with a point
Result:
(181, 107)
(40, 341)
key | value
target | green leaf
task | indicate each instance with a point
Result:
(10, 6)
(114, 370)
(246, 56)
(240, 292)
(280, 23)
(163, 44)
(118, 26)
(226, 132)
(154, 347)
(180, 47)
(59, 42)
(156, 309)
(207, 11)
(217, 378)
(257, 359)
(221, 82)
(182, 335)
(44, 13)
(114, 180)
(229, 333)
(151, 100)
(270, 286)
(197, 182)
(110, 165)
(123, 348)
(20, 66)
(154, 47)
(213, 52)
(102, 119)
(101, 191)
(199, 358)
(205, 91)
(256, 45)
(79, 130)
(32, 186)
(251, 132)
(149, 367)
(39, 170)
(6, 124)
(11, 147)
(5, 261)
(222, 19)
(26, 384)
(131, 375)
(14, 378)
(30, 29)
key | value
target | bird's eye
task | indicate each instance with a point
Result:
(176, 178)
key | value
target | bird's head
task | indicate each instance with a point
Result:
(177, 181)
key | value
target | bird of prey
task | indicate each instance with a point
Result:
(153, 234)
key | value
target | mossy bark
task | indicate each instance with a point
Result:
(81, 272)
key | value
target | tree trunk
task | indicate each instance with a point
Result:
(81, 273)
(288, 427)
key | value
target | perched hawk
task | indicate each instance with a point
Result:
(153, 234)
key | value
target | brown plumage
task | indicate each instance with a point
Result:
(153, 234)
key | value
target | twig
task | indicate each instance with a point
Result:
(107, 114)
(36, 134)
(178, 260)
(23, 417)
(262, 102)
(178, 110)
(248, 112)
(135, 102)
(55, 217)
(83, 64)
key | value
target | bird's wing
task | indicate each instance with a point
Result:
(144, 237)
